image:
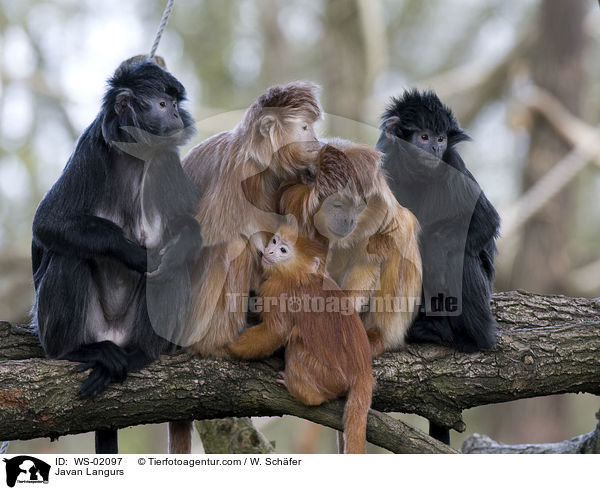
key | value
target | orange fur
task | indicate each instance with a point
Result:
(327, 353)
(380, 258)
(239, 173)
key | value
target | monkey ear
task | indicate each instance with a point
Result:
(266, 124)
(122, 101)
(392, 126)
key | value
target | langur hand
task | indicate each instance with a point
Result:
(171, 259)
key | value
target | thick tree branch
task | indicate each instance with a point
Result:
(547, 345)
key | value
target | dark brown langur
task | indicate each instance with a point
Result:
(121, 208)
(239, 173)
(373, 247)
(327, 352)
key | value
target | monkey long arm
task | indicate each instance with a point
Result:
(547, 345)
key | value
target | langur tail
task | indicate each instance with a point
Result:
(355, 415)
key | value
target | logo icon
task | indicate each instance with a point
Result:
(26, 469)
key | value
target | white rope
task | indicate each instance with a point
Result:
(4, 447)
(161, 27)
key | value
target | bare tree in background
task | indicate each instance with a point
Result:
(344, 66)
(542, 262)
(556, 65)
(275, 63)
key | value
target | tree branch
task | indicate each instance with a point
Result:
(547, 345)
(583, 444)
(575, 131)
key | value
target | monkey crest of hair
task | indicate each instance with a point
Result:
(159, 60)
(342, 167)
(280, 103)
(337, 170)
(296, 98)
(419, 110)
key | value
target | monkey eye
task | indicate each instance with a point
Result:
(283, 250)
(163, 104)
(441, 138)
(424, 137)
(274, 241)
(337, 205)
(305, 127)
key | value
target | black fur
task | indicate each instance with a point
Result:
(92, 244)
(459, 225)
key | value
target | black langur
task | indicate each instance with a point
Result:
(114, 239)
(459, 225)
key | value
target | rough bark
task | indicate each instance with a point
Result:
(547, 345)
(18, 342)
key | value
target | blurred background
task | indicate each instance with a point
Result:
(483, 57)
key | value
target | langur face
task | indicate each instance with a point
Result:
(277, 252)
(300, 130)
(338, 215)
(426, 140)
(162, 115)
(301, 138)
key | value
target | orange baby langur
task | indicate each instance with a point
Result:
(327, 352)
